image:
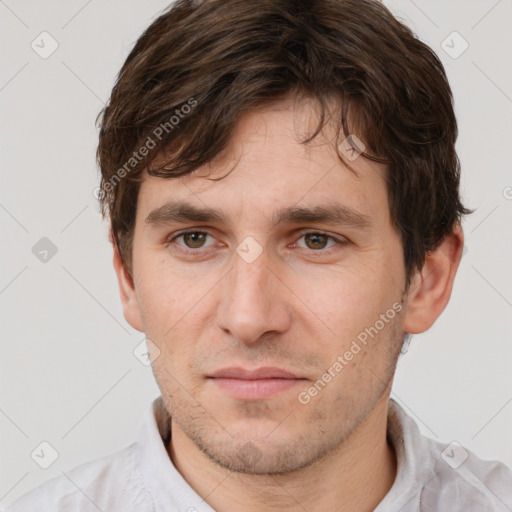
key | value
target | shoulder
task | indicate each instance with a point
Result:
(465, 481)
(436, 476)
(112, 482)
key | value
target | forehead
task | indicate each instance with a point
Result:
(266, 168)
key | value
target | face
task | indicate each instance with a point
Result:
(289, 262)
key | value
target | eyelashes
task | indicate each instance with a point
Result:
(198, 239)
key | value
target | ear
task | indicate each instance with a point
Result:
(431, 288)
(129, 300)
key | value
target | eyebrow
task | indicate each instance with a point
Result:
(180, 211)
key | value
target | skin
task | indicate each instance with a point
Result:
(298, 306)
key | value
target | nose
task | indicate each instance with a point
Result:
(254, 302)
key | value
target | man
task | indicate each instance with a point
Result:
(282, 187)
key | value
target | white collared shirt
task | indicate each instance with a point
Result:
(142, 478)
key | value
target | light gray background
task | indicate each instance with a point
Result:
(67, 369)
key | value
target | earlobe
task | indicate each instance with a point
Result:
(431, 287)
(129, 301)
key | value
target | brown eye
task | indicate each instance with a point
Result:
(195, 239)
(316, 240)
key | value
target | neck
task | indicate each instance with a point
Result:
(355, 476)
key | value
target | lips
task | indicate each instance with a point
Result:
(260, 373)
(259, 384)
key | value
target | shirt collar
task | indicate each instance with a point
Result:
(415, 466)
(168, 487)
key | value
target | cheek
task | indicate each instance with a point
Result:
(174, 307)
(344, 301)
(166, 292)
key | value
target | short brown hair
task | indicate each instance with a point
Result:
(222, 57)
